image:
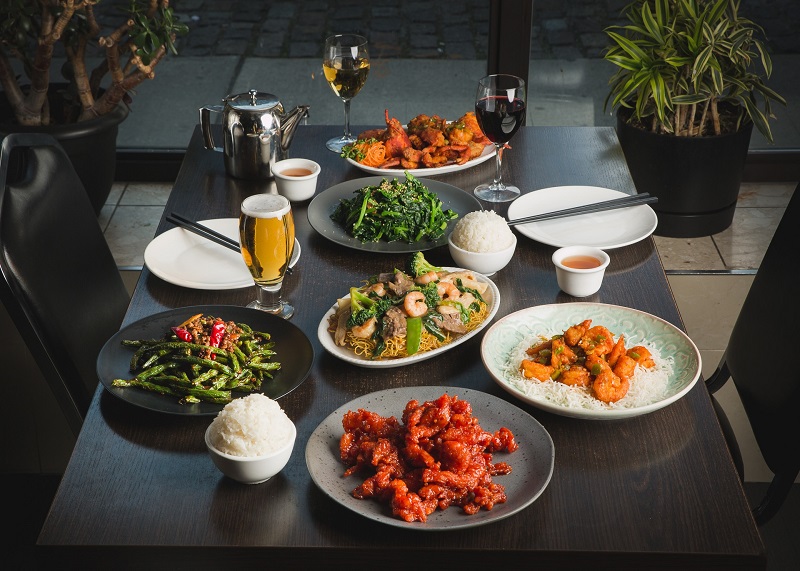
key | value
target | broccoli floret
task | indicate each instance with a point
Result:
(419, 266)
(363, 307)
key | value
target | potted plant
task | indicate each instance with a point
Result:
(82, 105)
(689, 88)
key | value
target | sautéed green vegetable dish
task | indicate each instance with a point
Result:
(394, 210)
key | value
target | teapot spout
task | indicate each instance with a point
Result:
(289, 123)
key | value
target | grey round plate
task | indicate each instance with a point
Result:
(323, 205)
(531, 464)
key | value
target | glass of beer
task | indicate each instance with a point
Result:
(266, 229)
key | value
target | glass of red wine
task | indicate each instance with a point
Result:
(500, 110)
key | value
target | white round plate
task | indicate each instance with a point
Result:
(505, 336)
(531, 464)
(183, 258)
(488, 152)
(491, 296)
(606, 230)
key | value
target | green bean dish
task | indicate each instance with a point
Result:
(203, 359)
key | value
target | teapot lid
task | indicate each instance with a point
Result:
(253, 100)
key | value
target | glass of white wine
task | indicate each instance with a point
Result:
(266, 230)
(346, 66)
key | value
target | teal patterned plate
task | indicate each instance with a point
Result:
(677, 357)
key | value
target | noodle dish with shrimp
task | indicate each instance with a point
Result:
(404, 312)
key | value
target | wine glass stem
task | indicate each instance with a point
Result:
(498, 177)
(347, 134)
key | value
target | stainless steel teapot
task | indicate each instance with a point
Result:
(256, 130)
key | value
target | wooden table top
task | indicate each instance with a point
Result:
(654, 491)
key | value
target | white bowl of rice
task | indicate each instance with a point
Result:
(482, 242)
(251, 439)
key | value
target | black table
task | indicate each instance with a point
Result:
(656, 491)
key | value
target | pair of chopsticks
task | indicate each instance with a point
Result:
(625, 202)
(204, 231)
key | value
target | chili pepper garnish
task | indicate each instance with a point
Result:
(182, 334)
(217, 333)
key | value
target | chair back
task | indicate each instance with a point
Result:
(61, 284)
(760, 353)
(760, 360)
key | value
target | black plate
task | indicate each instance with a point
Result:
(323, 205)
(292, 347)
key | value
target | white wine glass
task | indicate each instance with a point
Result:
(346, 66)
(266, 231)
(500, 110)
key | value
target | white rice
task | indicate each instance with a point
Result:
(482, 231)
(647, 385)
(254, 425)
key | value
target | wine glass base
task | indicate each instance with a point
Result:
(284, 310)
(337, 143)
(491, 193)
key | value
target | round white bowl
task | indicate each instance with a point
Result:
(580, 282)
(296, 188)
(486, 263)
(251, 469)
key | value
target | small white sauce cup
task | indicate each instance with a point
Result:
(296, 188)
(580, 282)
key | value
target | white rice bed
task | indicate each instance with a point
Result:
(646, 386)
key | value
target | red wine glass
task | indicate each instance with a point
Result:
(500, 110)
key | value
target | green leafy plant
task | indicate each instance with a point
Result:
(30, 31)
(686, 68)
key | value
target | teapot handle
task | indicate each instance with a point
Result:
(205, 125)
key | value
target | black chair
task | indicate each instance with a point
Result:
(61, 285)
(761, 360)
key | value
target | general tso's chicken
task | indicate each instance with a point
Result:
(396, 138)
(471, 122)
(422, 122)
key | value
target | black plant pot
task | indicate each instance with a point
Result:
(696, 179)
(91, 146)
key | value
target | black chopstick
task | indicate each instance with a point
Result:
(203, 231)
(634, 200)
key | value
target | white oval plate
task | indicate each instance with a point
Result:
(183, 258)
(606, 230)
(488, 152)
(531, 464)
(639, 327)
(491, 296)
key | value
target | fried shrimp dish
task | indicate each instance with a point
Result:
(426, 142)
(587, 356)
(401, 313)
(438, 457)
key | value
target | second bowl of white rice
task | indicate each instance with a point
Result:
(482, 242)
(251, 439)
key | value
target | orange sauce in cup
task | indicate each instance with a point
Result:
(299, 171)
(581, 262)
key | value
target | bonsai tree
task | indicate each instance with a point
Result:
(30, 31)
(686, 68)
